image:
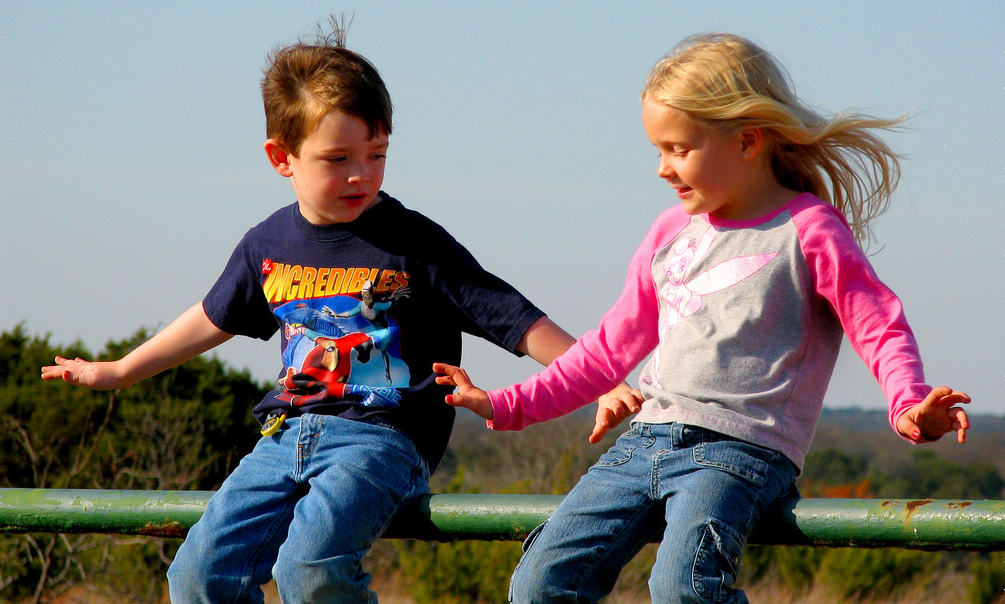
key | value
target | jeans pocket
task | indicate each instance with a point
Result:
(717, 562)
(750, 462)
(626, 444)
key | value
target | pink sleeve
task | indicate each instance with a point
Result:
(870, 313)
(602, 358)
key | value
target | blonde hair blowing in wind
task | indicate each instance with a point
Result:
(727, 82)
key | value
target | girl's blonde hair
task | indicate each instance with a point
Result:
(727, 82)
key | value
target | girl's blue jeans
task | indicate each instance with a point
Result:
(304, 507)
(704, 491)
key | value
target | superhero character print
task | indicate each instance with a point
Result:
(343, 348)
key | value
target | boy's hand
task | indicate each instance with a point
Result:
(937, 414)
(613, 407)
(467, 394)
(96, 375)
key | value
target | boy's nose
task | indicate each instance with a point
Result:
(360, 173)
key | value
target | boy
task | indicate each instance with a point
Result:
(366, 294)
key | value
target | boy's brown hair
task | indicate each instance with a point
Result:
(303, 82)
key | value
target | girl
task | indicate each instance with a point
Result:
(741, 293)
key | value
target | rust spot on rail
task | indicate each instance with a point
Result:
(167, 529)
(914, 506)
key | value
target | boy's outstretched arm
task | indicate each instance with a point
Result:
(937, 414)
(190, 335)
(545, 341)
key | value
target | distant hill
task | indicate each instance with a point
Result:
(852, 430)
(868, 431)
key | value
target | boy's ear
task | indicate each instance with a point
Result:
(279, 156)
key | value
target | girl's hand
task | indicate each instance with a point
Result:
(613, 407)
(467, 394)
(96, 375)
(937, 414)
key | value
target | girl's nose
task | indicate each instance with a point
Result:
(664, 169)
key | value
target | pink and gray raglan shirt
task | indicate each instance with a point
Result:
(744, 321)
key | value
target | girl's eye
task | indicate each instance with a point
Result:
(674, 152)
(336, 160)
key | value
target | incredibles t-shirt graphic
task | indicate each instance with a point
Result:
(363, 310)
(343, 347)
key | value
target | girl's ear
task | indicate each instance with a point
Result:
(279, 157)
(751, 142)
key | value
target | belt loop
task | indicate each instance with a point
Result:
(677, 434)
(686, 435)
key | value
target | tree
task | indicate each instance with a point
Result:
(182, 429)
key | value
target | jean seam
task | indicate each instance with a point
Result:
(279, 521)
(588, 568)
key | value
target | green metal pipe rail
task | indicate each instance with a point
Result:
(933, 524)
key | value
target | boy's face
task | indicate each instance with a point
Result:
(338, 171)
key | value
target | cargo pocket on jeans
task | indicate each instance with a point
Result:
(716, 562)
(532, 536)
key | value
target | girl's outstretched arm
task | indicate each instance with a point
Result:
(937, 414)
(467, 395)
(190, 335)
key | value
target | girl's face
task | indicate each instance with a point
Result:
(708, 168)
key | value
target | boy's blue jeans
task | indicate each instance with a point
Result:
(303, 507)
(704, 491)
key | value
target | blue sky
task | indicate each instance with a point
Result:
(132, 161)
